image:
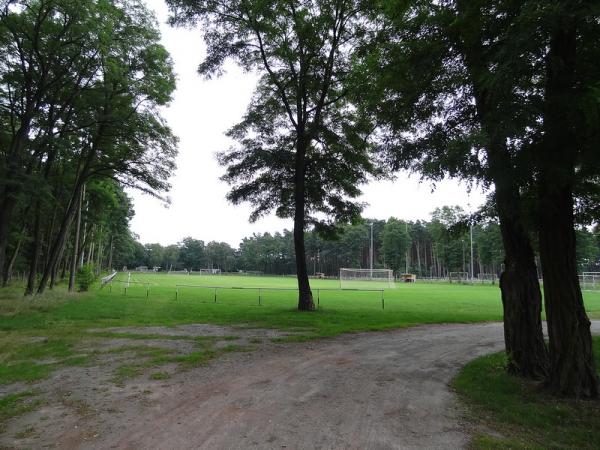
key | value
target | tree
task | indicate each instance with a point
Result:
(563, 149)
(192, 253)
(302, 149)
(431, 78)
(396, 242)
(80, 88)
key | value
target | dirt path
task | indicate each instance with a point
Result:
(364, 391)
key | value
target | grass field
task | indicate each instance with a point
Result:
(520, 414)
(49, 328)
(41, 334)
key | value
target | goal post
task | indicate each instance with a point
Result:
(366, 278)
(459, 277)
(589, 281)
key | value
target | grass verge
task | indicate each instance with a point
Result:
(519, 415)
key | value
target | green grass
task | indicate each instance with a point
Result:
(520, 414)
(40, 334)
(16, 404)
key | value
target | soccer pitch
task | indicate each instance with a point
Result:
(152, 298)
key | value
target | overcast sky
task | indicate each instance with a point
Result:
(199, 115)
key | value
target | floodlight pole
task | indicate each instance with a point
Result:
(471, 232)
(371, 252)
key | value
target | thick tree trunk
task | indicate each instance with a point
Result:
(520, 289)
(305, 298)
(572, 368)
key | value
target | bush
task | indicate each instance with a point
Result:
(85, 277)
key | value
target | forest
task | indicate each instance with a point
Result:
(429, 249)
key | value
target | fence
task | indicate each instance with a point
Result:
(259, 290)
(262, 289)
(127, 284)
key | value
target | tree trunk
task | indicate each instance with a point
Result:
(60, 238)
(520, 290)
(5, 215)
(75, 246)
(305, 298)
(7, 275)
(35, 252)
(572, 368)
(110, 254)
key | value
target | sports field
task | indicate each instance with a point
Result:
(161, 298)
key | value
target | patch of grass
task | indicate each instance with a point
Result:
(16, 404)
(160, 376)
(139, 336)
(27, 371)
(125, 372)
(521, 415)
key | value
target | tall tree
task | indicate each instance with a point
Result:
(396, 242)
(436, 78)
(302, 150)
(564, 147)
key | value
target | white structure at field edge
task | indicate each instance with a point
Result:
(366, 278)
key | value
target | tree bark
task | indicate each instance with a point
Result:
(305, 298)
(520, 292)
(572, 367)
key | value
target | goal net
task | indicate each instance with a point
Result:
(178, 272)
(366, 278)
(589, 281)
(458, 277)
(487, 277)
(206, 272)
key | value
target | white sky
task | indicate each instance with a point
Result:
(200, 114)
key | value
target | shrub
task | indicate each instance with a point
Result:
(85, 277)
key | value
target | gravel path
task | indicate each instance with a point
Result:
(383, 390)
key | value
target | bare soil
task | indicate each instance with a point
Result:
(384, 390)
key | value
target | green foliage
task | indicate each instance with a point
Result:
(520, 413)
(302, 150)
(81, 85)
(396, 242)
(85, 277)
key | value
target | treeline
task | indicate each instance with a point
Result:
(427, 248)
(81, 86)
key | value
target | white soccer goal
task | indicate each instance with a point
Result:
(366, 278)
(487, 277)
(459, 277)
(589, 281)
(178, 272)
(206, 272)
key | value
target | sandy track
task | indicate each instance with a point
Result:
(363, 391)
